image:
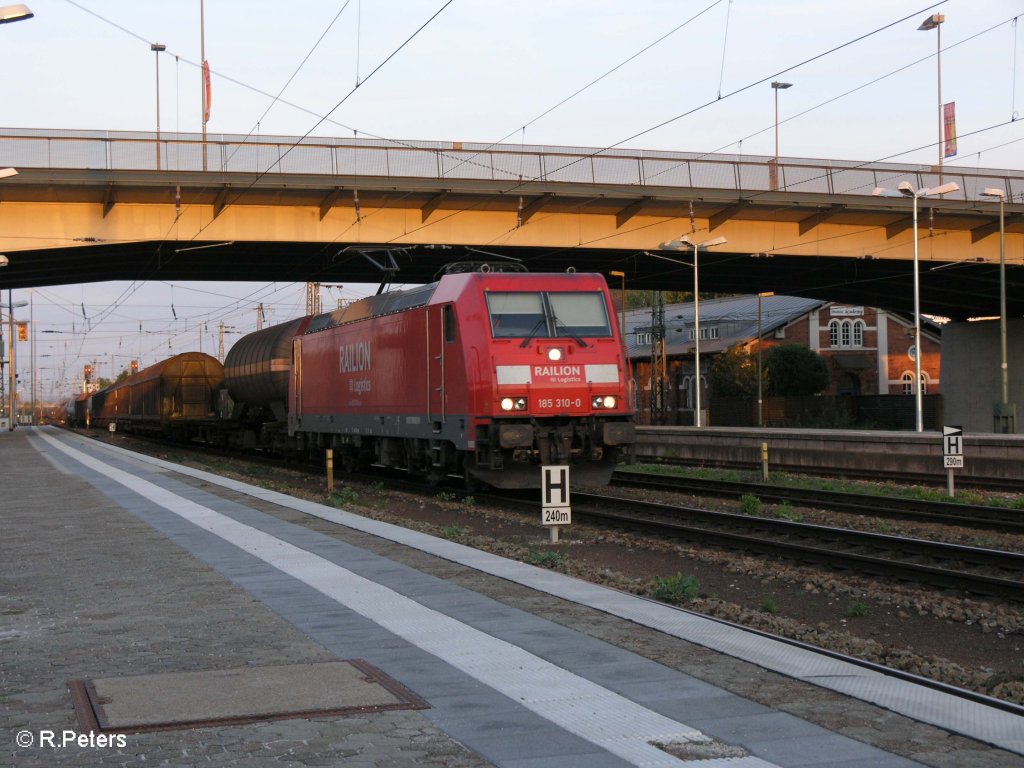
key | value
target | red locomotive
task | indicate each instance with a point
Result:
(483, 373)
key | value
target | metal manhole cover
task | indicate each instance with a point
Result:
(235, 696)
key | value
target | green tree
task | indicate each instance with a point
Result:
(733, 373)
(792, 369)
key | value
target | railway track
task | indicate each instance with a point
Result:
(962, 569)
(879, 474)
(872, 505)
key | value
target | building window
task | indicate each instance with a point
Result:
(705, 333)
(848, 333)
(908, 383)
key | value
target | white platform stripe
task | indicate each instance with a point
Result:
(581, 707)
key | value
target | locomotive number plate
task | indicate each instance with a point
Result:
(547, 403)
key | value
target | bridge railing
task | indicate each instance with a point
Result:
(513, 164)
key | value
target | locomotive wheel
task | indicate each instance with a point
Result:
(471, 482)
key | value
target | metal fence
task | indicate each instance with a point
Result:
(515, 164)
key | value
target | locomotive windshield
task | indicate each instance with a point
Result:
(548, 314)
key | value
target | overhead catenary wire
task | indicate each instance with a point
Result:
(132, 288)
(357, 78)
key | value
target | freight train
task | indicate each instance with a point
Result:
(484, 373)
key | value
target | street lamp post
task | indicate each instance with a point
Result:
(760, 296)
(622, 303)
(12, 376)
(10, 362)
(933, 22)
(777, 85)
(677, 245)
(1005, 417)
(157, 48)
(906, 190)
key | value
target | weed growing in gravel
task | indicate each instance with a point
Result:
(768, 605)
(469, 501)
(344, 496)
(676, 589)
(750, 504)
(856, 609)
(545, 558)
(786, 512)
(454, 532)
(883, 526)
(446, 496)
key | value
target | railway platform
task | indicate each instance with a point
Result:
(152, 614)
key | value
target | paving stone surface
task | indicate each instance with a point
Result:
(87, 590)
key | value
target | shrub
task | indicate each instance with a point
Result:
(454, 532)
(750, 504)
(768, 605)
(856, 609)
(676, 589)
(545, 558)
(343, 496)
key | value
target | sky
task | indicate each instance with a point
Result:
(652, 74)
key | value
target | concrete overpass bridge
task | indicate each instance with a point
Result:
(96, 205)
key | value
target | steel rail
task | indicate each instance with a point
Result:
(945, 512)
(862, 552)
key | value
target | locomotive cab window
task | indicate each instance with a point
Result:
(554, 314)
(579, 314)
(514, 315)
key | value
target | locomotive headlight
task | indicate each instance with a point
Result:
(513, 403)
(554, 355)
(609, 401)
(603, 401)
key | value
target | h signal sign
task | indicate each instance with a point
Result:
(555, 495)
(953, 441)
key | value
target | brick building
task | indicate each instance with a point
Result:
(869, 351)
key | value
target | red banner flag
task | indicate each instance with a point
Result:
(206, 92)
(949, 122)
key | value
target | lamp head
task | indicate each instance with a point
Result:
(18, 12)
(778, 84)
(951, 186)
(715, 241)
(4, 261)
(931, 22)
(905, 189)
(993, 192)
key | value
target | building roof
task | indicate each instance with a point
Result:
(724, 322)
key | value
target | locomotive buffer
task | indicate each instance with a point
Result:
(555, 509)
